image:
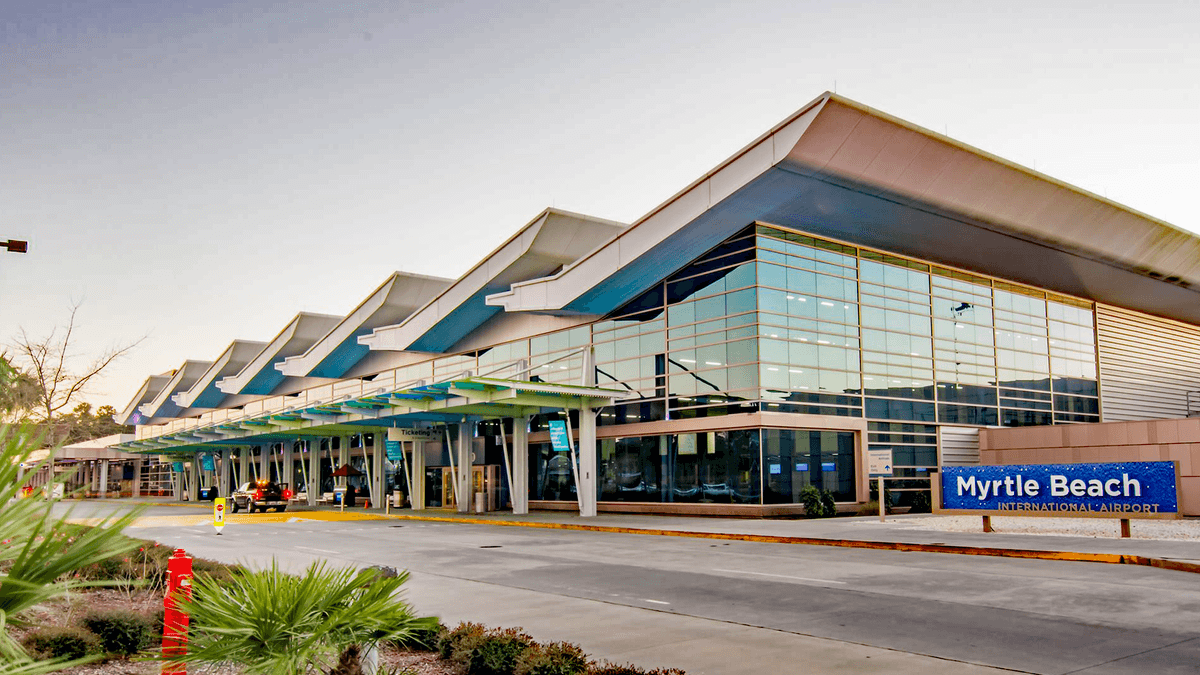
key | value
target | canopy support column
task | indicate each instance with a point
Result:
(136, 487)
(417, 486)
(243, 465)
(376, 473)
(314, 470)
(343, 457)
(520, 486)
(289, 465)
(264, 461)
(466, 494)
(193, 488)
(103, 488)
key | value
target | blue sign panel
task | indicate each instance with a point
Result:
(559, 439)
(206, 463)
(801, 466)
(177, 467)
(393, 450)
(827, 466)
(1122, 490)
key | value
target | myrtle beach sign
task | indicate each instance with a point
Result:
(1119, 490)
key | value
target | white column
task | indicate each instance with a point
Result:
(343, 458)
(418, 476)
(466, 498)
(194, 480)
(377, 453)
(103, 478)
(264, 461)
(520, 448)
(243, 466)
(587, 462)
(222, 466)
(136, 489)
(314, 470)
(289, 466)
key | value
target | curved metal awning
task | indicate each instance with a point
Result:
(412, 404)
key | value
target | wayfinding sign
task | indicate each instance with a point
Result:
(1117, 490)
(206, 463)
(394, 450)
(428, 435)
(879, 463)
(559, 439)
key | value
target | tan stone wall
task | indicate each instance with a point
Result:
(1173, 440)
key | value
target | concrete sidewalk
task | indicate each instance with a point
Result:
(864, 530)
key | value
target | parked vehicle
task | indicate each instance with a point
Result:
(260, 495)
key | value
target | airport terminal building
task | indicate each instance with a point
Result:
(848, 281)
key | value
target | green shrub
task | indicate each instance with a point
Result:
(810, 497)
(555, 658)
(827, 504)
(607, 668)
(870, 508)
(120, 632)
(448, 641)
(491, 652)
(921, 503)
(61, 642)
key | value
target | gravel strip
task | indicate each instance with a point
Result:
(1097, 528)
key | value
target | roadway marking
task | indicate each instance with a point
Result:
(780, 576)
(319, 550)
(657, 602)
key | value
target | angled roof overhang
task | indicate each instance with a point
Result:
(163, 404)
(259, 376)
(204, 393)
(392, 302)
(840, 169)
(553, 239)
(149, 389)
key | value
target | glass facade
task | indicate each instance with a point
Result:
(776, 320)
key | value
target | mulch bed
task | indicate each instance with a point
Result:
(66, 610)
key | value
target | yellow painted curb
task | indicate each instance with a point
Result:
(1032, 554)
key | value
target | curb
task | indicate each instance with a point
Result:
(1029, 554)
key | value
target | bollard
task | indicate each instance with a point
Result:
(175, 621)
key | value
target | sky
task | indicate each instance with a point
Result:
(194, 172)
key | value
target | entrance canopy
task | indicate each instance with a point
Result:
(321, 411)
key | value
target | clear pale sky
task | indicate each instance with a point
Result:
(200, 171)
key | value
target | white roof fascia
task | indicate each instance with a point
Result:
(555, 292)
(298, 335)
(394, 300)
(230, 362)
(149, 389)
(182, 380)
(554, 237)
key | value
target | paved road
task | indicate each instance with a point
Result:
(738, 607)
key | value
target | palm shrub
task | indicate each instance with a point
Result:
(814, 507)
(38, 549)
(607, 668)
(273, 623)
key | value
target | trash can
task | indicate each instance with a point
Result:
(397, 499)
(480, 502)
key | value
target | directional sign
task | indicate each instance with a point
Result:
(879, 463)
(394, 450)
(219, 513)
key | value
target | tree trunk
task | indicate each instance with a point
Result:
(349, 663)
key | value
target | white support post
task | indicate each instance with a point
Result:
(416, 483)
(264, 461)
(587, 462)
(507, 462)
(314, 470)
(223, 456)
(465, 493)
(378, 498)
(289, 466)
(194, 480)
(103, 489)
(362, 444)
(453, 467)
(243, 465)
(574, 461)
(136, 488)
(343, 458)
(520, 485)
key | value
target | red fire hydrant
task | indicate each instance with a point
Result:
(175, 621)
